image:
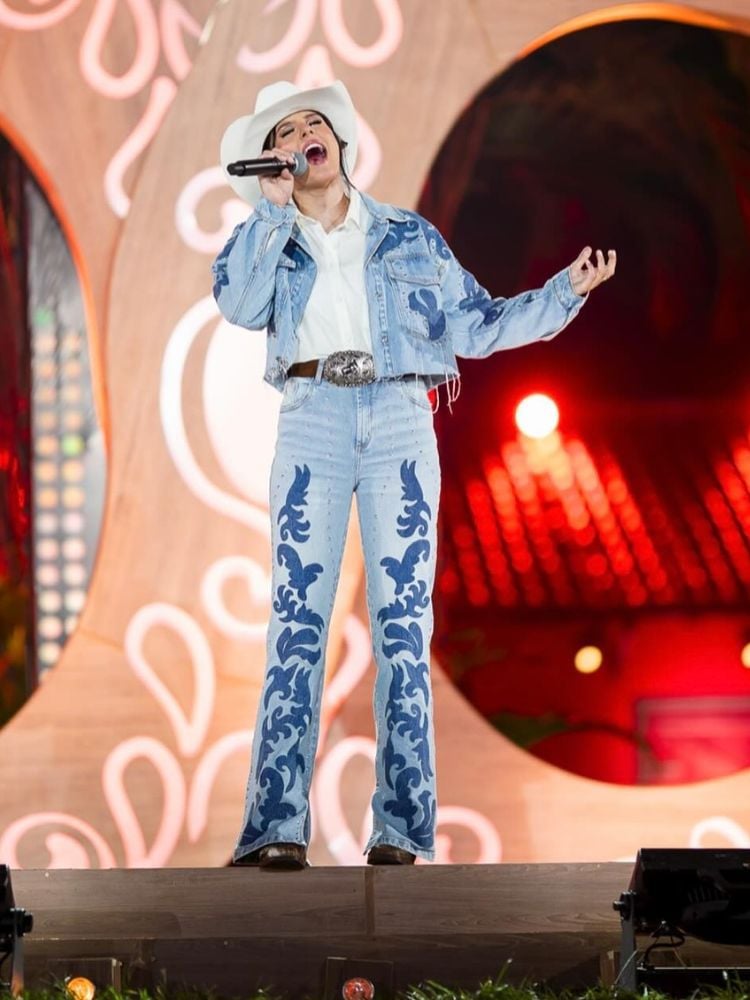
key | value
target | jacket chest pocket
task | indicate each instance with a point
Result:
(415, 284)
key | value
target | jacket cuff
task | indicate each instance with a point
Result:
(566, 294)
(273, 213)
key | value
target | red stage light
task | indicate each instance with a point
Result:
(537, 415)
(358, 989)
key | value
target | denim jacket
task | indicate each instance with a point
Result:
(424, 307)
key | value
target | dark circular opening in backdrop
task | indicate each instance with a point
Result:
(629, 529)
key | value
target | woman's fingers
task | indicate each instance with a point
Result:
(587, 273)
(278, 188)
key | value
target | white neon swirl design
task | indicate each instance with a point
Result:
(146, 52)
(36, 22)
(173, 807)
(289, 46)
(170, 407)
(163, 91)
(363, 56)
(490, 845)
(336, 32)
(721, 826)
(189, 732)
(258, 583)
(174, 22)
(233, 210)
(64, 851)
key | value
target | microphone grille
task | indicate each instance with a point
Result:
(301, 166)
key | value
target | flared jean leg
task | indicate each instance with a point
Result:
(398, 489)
(312, 481)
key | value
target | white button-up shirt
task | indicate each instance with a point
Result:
(336, 316)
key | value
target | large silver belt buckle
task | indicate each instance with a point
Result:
(349, 368)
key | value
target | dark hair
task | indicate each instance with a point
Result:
(270, 140)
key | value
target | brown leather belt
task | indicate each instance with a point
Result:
(303, 369)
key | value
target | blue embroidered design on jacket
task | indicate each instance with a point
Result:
(219, 266)
(398, 233)
(476, 299)
(424, 301)
(434, 239)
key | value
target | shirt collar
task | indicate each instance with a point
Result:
(357, 214)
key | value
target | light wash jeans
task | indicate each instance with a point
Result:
(376, 440)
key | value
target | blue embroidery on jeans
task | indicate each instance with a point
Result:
(406, 639)
(417, 674)
(415, 600)
(272, 807)
(289, 683)
(289, 610)
(290, 519)
(300, 643)
(411, 722)
(417, 511)
(426, 304)
(279, 681)
(407, 715)
(402, 570)
(300, 577)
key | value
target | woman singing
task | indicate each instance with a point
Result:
(365, 309)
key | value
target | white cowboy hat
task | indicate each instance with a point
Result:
(245, 136)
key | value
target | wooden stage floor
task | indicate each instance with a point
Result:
(238, 928)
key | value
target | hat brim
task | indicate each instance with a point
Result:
(244, 138)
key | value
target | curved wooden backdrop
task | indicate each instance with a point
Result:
(135, 750)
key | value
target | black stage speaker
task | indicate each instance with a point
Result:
(14, 923)
(682, 892)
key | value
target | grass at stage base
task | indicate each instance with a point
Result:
(487, 990)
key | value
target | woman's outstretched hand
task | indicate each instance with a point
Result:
(585, 274)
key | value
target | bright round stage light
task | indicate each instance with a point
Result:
(80, 988)
(537, 415)
(588, 659)
(745, 656)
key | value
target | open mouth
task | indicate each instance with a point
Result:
(316, 153)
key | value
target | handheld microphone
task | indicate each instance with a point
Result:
(269, 165)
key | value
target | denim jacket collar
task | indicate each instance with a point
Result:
(380, 212)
